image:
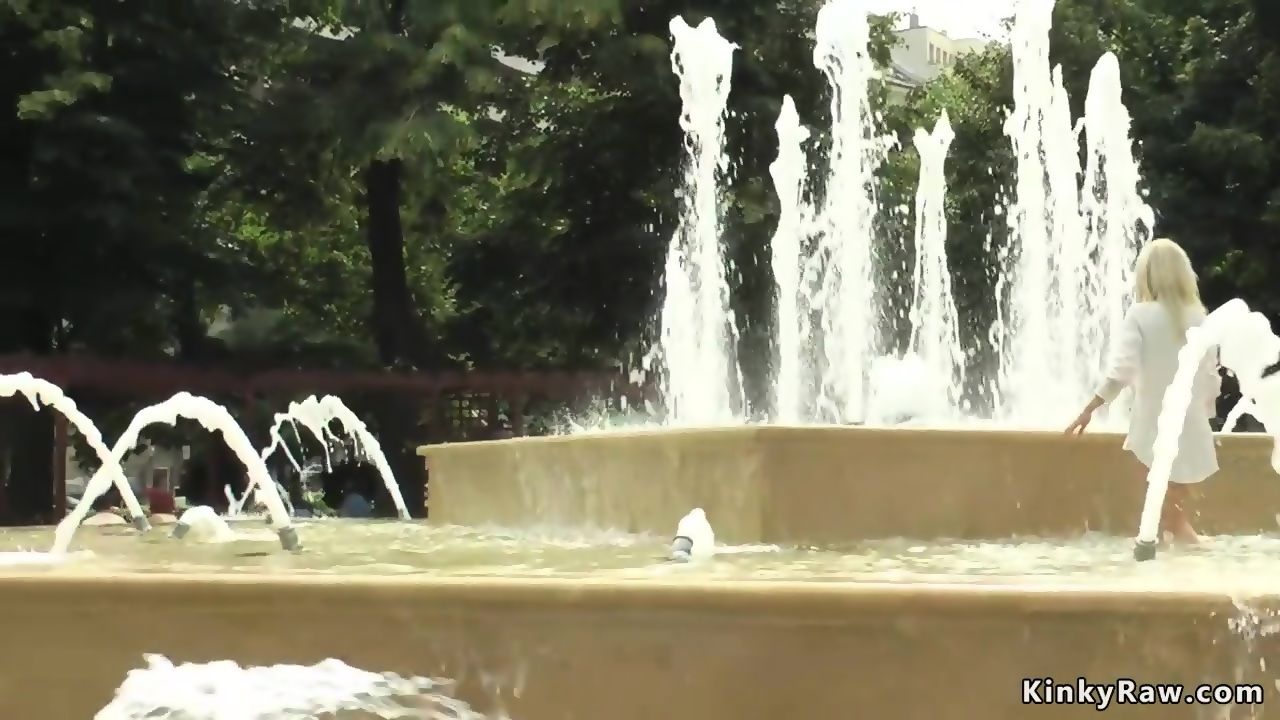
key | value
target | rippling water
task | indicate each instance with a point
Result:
(400, 548)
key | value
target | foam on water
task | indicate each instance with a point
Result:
(223, 690)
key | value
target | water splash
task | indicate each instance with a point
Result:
(212, 417)
(1243, 406)
(1074, 235)
(702, 383)
(42, 392)
(1119, 220)
(694, 539)
(316, 415)
(1025, 336)
(202, 524)
(788, 172)
(935, 327)
(224, 690)
(846, 258)
(1226, 327)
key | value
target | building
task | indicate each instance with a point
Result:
(922, 53)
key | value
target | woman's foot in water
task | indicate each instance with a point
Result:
(1182, 534)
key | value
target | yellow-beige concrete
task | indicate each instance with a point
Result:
(827, 486)
(582, 650)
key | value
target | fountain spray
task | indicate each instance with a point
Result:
(1224, 322)
(42, 392)
(212, 417)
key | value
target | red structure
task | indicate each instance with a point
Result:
(458, 405)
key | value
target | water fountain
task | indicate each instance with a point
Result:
(791, 321)
(214, 418)
(316, 415)
(702, 383)
(42, 392)
(752, 633)
(1075, 229)
(1250, 349)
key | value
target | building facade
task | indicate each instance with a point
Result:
(922, 53)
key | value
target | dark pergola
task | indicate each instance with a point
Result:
(140, 379)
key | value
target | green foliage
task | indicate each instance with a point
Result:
(196, 178)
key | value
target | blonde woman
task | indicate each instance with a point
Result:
(1144, 355)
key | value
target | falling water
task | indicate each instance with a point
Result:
(42, 392)
(213, 417)
(1119, 221)
(1064, 279)
(1023, 339)
(935, 332)
(845, 260)
(1074, 234)
(788, 172)
(316, 415)
(702, 383)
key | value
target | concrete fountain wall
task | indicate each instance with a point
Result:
(827, 486)
(583, 650)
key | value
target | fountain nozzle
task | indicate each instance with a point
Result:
(681, 548)
(180, 531)
(289, 539)
(1144, 550)
(140, 523)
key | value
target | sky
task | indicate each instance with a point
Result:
(957, 18)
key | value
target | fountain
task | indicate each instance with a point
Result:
(214, 418)
(316, 415)
(702, 383)
(935, 331)
(42, 392)
(1075, 229)
(788, 172)
(830, 553)
(1248, 348)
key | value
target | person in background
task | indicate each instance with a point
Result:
(160, 500)
(1144, 355)
(354, 504)
(106, 510)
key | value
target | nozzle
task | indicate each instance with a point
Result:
(289, 539)
(681, 548)
(140, 523)
(180, 531)
(1144, 550)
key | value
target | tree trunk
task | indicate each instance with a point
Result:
(396, 325)
(29, 484)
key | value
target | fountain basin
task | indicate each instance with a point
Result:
(551, 649)
(824, 486)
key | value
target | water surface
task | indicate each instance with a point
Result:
(346, 547)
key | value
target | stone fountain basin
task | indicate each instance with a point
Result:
(557, 648)
(824, 486)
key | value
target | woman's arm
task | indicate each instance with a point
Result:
(1126, 353)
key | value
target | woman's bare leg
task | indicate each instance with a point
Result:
(1175, 517)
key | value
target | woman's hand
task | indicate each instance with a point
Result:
(1081, 422)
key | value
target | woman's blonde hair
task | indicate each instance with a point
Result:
(1164, 275)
